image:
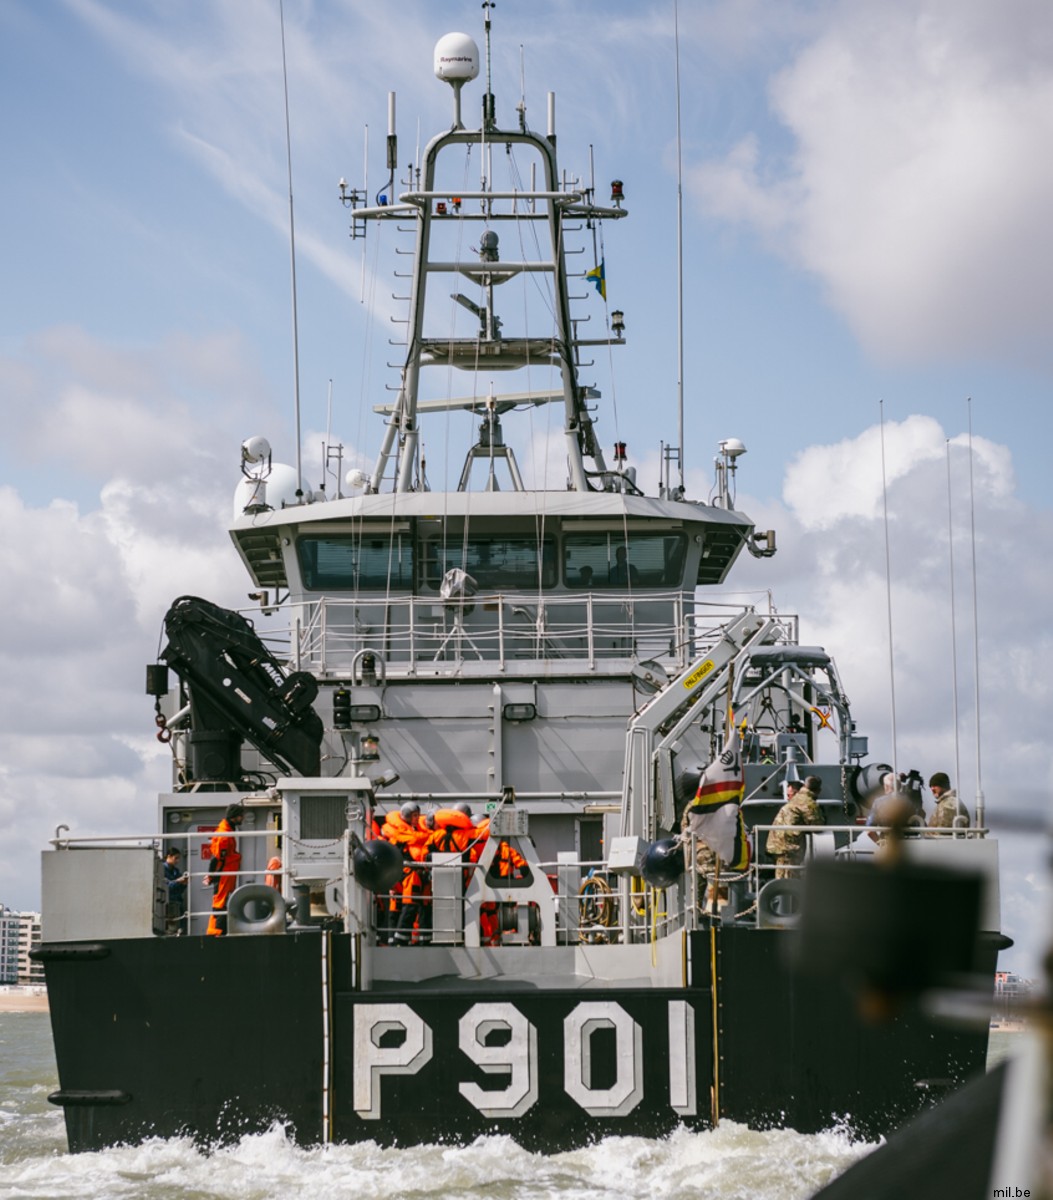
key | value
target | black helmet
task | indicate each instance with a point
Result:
(233, 811)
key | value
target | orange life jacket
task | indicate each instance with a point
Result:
(507, 860)
(454, 832)
(225, 849)
(480, 836)
(409, 839)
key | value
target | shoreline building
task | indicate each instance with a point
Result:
(19, 934)
(1010, 991)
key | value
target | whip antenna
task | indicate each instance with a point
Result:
(292, 262)
(888, 596)
(679, 261)
(954, 621)
(976, 626)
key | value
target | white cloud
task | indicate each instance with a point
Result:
(87, 585)
(826, 484)
(919, 189)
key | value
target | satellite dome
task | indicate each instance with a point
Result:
(280, 489)
(255, 449)
(456, 58)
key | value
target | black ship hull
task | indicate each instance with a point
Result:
(216, 1038)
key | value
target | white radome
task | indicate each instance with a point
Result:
(456, 58)
(255, 449)
(280, 489)
(356, 478)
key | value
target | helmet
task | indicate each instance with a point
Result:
(463, 807)
(233, 811)
(410, 809)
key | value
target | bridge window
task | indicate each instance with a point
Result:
(614, 560)
(495, 563)
(365, 562)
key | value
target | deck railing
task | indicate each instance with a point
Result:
(414, 635)
(585, 903)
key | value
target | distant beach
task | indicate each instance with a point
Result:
(23, 999)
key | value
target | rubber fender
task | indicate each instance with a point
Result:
(256, 908)
(779, 904)
(88, 1097)
(63, 951)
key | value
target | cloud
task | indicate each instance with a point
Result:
(918, 189)
(88, 583)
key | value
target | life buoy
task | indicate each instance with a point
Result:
(256, 908)
(779, 904)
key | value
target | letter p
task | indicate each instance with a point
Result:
(372, 1060)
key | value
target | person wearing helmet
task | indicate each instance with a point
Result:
(223, 867)
(454, 830)
(405, 908)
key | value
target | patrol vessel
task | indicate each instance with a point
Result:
(552, 656)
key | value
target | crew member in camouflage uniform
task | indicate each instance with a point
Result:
(705, 860)
(948, 806)
(785, 847)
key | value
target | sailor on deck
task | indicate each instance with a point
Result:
(223, 867)
(402, 829)
(801, 808)
(948, 808)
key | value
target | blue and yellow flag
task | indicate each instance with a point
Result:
(598, 275)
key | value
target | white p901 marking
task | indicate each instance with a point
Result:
(517, 1058)
(627, 1090)
(683, 1089)
(372, 1060)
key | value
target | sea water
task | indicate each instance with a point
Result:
(728, 1163)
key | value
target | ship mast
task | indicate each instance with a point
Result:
(543, 208)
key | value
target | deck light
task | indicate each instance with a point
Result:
(341, 709)
(364, 712)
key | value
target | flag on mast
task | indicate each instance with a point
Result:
(714, 816)
(598, 275)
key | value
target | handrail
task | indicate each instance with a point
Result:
(634, 917)
(572, 631)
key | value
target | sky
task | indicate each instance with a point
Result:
(868, 297)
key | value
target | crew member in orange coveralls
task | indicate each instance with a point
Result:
(222, 868)
(507, 861)
(402, 829)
